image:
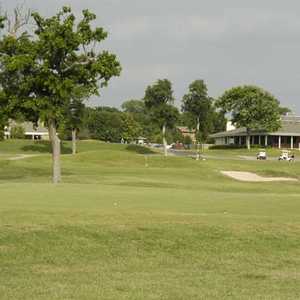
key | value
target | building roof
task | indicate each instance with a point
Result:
(290, 126)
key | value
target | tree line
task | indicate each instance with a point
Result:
(154, 117)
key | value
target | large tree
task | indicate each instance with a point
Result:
(41, 74)
(199, 109)
(251, 107)
(159, 101)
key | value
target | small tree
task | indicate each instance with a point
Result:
(198, 106)
(159, 101)
(74, 118)
(3, 100)
(17, 132)
(251, 107)
(131, 130)
(40, 75)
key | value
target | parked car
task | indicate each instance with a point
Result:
(261, 155)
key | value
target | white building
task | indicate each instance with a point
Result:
(30, 131)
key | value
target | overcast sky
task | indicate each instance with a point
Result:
(226, 43)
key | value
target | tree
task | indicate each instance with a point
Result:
(284, 110)
(105, 124)
(40, 75)
(139, 112)
(130, 129)
(159, 101)
(74, 120)
(17, 132)
(219, 121)
(251, 107)
(198, 107)
(133, 106)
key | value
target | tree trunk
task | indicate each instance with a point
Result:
(74, 146)
(197, 139)
(55, 142)
(248, 140)
(164, 139)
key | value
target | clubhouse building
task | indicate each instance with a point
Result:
(288, 136)
(30, 131)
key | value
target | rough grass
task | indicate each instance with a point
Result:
(121, 227)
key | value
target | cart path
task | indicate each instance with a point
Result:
(23, 156)
(252, 177)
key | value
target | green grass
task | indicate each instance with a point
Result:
(123, 226)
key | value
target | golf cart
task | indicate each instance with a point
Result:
(286, 155)
(261, 155)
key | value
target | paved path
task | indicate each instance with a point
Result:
(22, 156)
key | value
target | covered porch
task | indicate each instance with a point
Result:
(275, 141)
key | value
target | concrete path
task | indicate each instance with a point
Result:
(23, 156)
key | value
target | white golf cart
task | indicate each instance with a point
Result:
(261, 155)
(286, 155)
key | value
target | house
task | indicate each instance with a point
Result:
(30, 131)
(288, 136)
(185, 131)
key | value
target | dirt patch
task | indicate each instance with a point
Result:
(252, 177)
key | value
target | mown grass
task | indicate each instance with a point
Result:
(123, 226)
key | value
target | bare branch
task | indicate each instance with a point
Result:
(20, 17)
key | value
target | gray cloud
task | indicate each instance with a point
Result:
(227, 43)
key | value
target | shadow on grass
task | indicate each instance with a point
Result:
(139, 149)
(45, 147)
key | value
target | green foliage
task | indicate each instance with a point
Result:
(17, 132)
(2, 126)
(159, 102)
(105, 125)
(1, 133)
(219, 121)
(198, 109)
(130, 129)
(44, 76)
(109, 124)
(284, 110)
(187, 140)
(134, 107)
(41, 75)
(223, 147)
(139, 112)
(251, 107)
(139, 149)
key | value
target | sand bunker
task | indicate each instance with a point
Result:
(252, 177)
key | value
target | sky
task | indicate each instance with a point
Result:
(226, 43)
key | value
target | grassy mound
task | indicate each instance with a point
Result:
(139, 149)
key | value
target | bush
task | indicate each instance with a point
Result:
(17, 132)
(1, 134)
(221, 147)
(139, 149)
(187, 140)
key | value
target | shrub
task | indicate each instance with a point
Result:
(139, 149)
(17, 132)
(187, 140)
(221, 147)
